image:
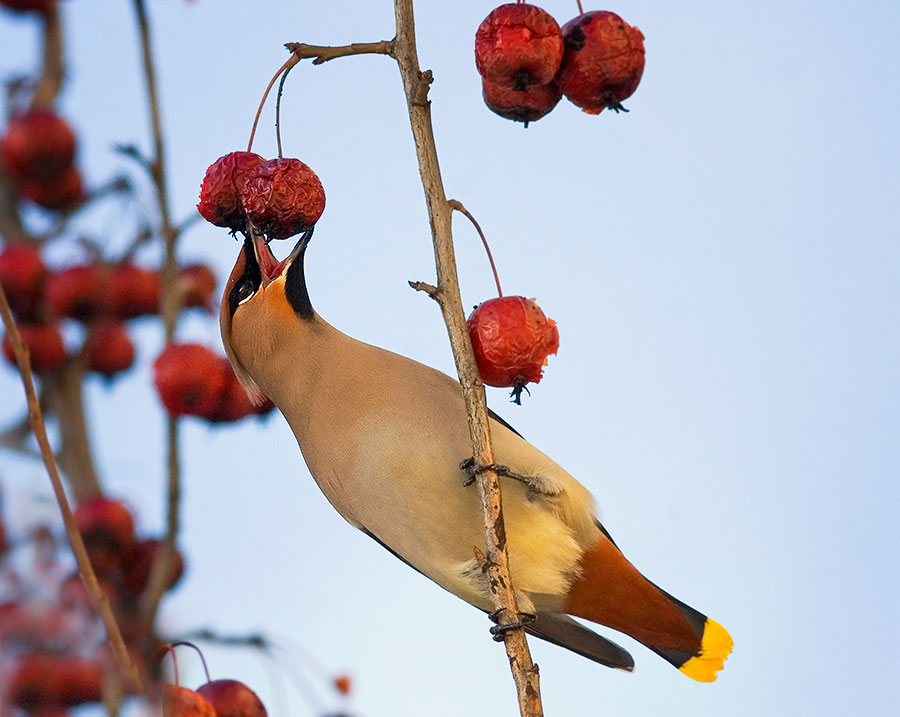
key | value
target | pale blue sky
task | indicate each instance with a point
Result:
(723, 264)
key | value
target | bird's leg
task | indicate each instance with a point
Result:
(472, 471)
(499, 631)
(534, 483)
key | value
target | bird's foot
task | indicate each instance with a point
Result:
(536, 484)
(499, 630)
(472, 470)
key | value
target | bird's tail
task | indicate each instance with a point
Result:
(610, 591)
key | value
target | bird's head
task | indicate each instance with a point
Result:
(263, 298)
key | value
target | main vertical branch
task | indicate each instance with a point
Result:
(415, 84)
(162, 565)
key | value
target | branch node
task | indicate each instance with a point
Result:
(432, 291)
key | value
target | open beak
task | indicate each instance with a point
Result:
(270, 268)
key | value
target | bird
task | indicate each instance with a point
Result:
(385, 438)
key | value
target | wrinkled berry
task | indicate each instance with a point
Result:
(283, 198)
(223, 185)
(603, 62)
(511, 338)
(517, 46)
(526, 105)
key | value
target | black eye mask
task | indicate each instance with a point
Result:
(248, 283)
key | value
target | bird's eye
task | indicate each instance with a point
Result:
(245, 290)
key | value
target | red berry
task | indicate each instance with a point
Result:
(35, 682)
(517, 46)
(343, 684)
(77, 292)
(80, 680)
(133, 291)
(107, 527)
(74, 596)
(526, 105)
(22, 273)
(39, 145)
(139, 563)
(197, 284)
(190, 379)
(182, 702)
(283, 197)
(108, 348)
(603, 62)
(60, 193)
(45, 346)
(234, 403)
(26, 5)
(233, 699)
(223, 185)
(511, 338)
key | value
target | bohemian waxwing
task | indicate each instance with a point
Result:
(383, 436)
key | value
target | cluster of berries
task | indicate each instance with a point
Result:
(54, 651)
(220, 698)
(278, 198)
(100, 296)
(38, 154)
(527, 62)
(215, 698)
(121, 560)
(192, 380)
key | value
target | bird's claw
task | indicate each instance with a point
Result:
(499, 630)
(472, 470)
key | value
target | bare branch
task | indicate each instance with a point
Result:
(170, 300)
(325, 53)
(432, 291)
(415, 84)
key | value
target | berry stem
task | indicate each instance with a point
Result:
(168, 649)
(454, 204)
(580, 9)
(188, 643)
(278, 109)
(292, 60)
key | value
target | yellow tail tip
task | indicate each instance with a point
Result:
(715, 647)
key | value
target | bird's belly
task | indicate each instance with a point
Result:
(418, 506)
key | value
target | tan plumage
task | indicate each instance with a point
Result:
(383, 437)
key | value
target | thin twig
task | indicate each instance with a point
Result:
(415, 84)
(454, 204)
(36, 419)
(323, 53)
(160, 572)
